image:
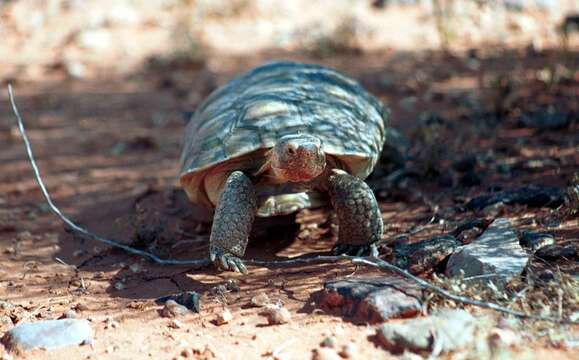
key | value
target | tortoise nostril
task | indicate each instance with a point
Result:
(291, 148)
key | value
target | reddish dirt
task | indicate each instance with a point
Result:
(108, 150)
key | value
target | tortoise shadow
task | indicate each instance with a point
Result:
(163, 222)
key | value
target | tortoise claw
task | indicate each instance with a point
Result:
(356, 250)
(237, 265)
(227, 261)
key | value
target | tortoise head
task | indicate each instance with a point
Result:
(297, 158)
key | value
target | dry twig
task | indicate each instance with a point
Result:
(368, 261)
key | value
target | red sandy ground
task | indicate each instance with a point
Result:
(108, 150)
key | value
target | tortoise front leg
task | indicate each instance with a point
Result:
(232, 223)
(360, 223)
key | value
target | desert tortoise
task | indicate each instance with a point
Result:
(271, 141)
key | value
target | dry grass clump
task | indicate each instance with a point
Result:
(556, 297)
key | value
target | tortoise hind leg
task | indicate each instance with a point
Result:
(360, 223)
(232, 223)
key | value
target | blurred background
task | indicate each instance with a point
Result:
(81, 38)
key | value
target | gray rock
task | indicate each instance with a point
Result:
(496, 255)
(536, 240)
(329, 342)
(6, 305)
(276, 314)
(173, 309)
(48, 334)
(373, 299)
(445, 331)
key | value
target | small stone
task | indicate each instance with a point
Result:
(509, 323)
(349, 351)
(187, 353)
(449, 329)
(495, 253)
(65, 332)
(6, 321)
(175, 324)
(68, 314)
(75, 69)
(173, 309)
(24, 236)
(80, 307)
(329, 342)
(325, 354)
(203, 352)
(536, 240)
(501, 338)
(232, 285)
(110, 323)
(223, 317)
(276, 314)
(119, 285)
(136, 268)
(136, 305)
(6, 305)
(372, 299)
(189, 299)
(260, 300)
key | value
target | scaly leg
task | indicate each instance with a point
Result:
(360, 223)
(232, 223)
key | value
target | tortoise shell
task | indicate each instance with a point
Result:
(234, 127)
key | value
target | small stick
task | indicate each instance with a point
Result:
(371, 261)
(69, 222)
